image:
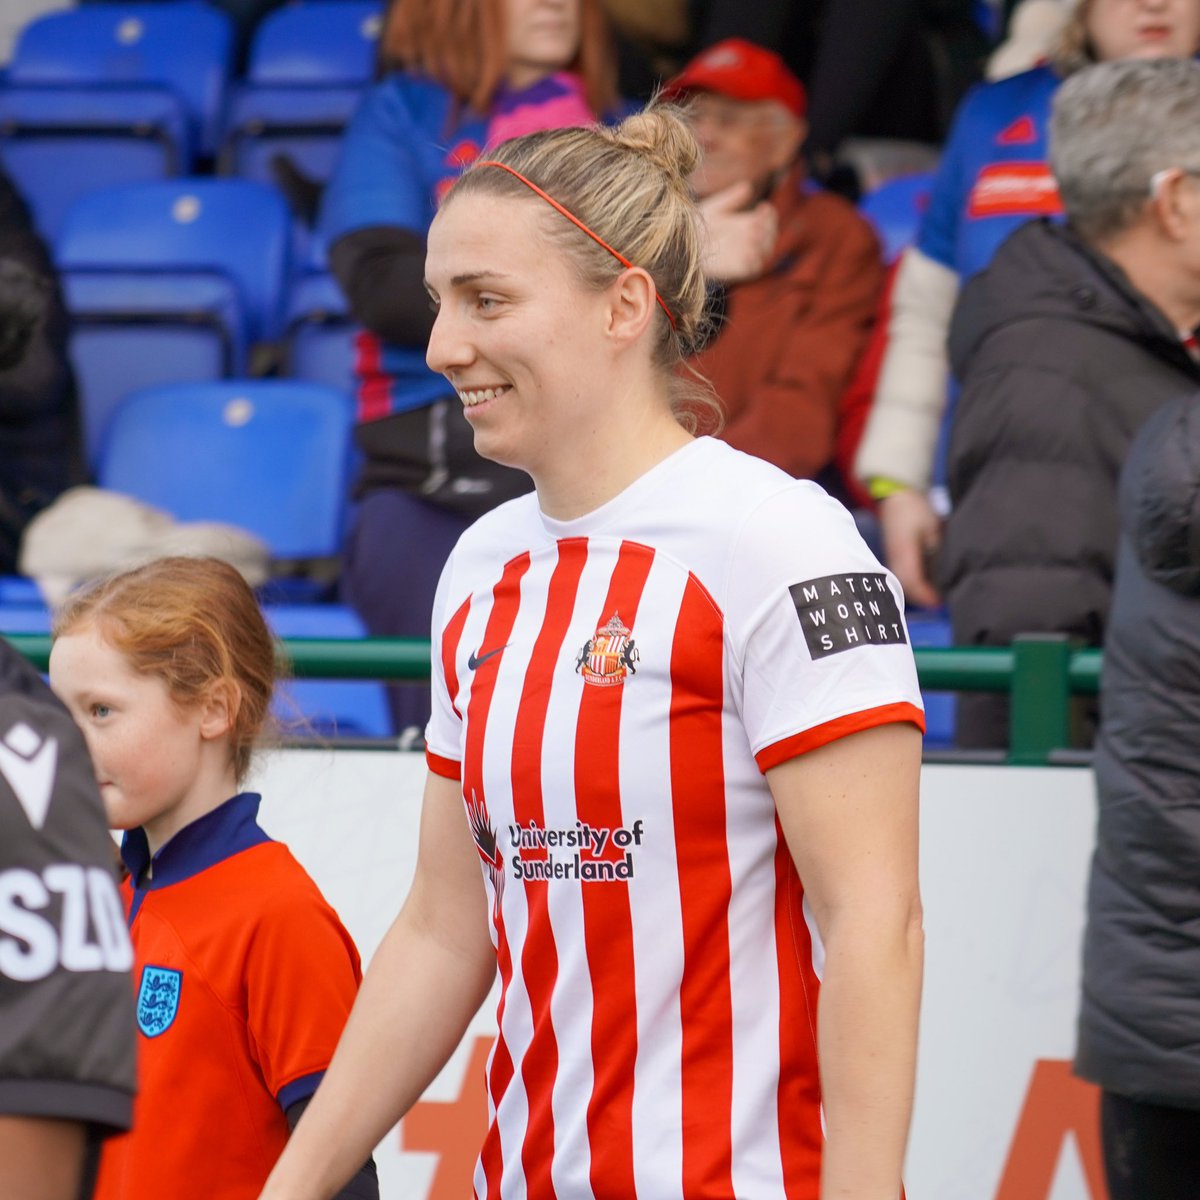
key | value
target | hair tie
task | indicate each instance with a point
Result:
(533, 187)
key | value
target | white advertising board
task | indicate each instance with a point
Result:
(1004, 864)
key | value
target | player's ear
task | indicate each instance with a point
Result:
(633, 302)
(219, 708)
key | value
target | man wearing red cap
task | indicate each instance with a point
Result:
(798, 270)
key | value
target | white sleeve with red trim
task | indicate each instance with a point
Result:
(817, 628)
(444, 733)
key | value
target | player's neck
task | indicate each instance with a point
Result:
(214, 783)
(594, 473)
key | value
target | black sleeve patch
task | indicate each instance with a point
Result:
(844, 612)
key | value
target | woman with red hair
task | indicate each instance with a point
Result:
(462, 75)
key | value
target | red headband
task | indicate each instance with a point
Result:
(533, 187)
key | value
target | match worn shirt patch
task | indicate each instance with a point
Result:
(158, 999)
(844, 612)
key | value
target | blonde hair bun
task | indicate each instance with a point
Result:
(661, 134)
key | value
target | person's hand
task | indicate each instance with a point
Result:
(912, 533)
(738, 241)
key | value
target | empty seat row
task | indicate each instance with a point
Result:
(180, 280)
(119, 93)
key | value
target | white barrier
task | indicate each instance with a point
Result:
(1004, 863)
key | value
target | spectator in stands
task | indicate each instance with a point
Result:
(992, 179)
(1064, 346)
(1139, 1022)
(465, 76)
(41, 451)
(798, 271)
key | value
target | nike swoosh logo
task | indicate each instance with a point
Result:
(474, 661)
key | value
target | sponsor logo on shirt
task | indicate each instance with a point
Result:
(158, 999)
(1014, 189)
(1022, 132)
(474, 661)
(608, 657)
(583, 852)
(88, 932)
(29, 765)
(847, 612)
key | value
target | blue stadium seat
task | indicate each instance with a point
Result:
(327, 707)
(132, 331)
(25, 618)
(271, 456)
(231, 229)
(111, 94)
(895, 209)
(168, 282)
(308, 66)
(928, 627)
(19, 591)
(319, 334)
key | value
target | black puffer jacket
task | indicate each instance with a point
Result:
(41, 451)
(1139, 1023)
(1060, 361)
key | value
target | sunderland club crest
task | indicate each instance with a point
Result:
(158, 999)
(609, 656)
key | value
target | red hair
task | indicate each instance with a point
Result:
(193, 623)
(462, 44)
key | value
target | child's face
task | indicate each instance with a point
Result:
(147, 752)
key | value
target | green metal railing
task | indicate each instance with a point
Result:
(1041, 673)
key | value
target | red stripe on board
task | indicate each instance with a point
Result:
(374, 395)
(607, 921)
(539, 956)
(799, 1097)
(705, 886)
(830, 731)
(506, 600)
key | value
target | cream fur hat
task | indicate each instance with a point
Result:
(1032, 34)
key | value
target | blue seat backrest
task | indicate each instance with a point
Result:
(271, 456)
(895, 209)
(185, 46)
(233, 227)
(320, 333)
(25, 618)
(327, 706)
(319, 42)
(932, 628)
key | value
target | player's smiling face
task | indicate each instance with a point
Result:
(145, 749)
(517, 335)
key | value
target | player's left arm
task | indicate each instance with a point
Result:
(849, 813)
(364, 1185)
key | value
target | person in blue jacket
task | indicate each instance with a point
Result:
(463, 76)
(993, 177)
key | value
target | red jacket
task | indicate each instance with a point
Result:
(792, 337)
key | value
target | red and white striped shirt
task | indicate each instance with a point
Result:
(610, 691)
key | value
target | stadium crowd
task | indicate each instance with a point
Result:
(951, 263)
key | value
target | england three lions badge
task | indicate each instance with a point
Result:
(158, 999)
